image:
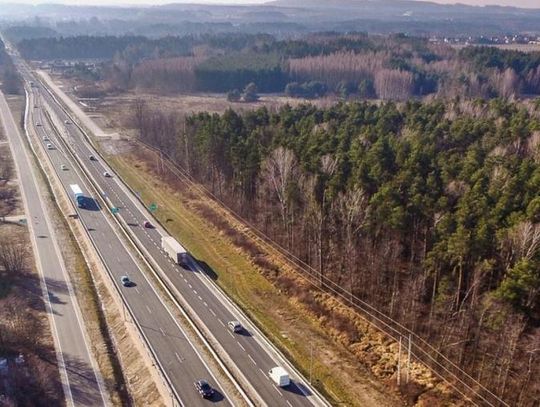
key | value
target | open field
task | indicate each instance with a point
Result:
(514, 47)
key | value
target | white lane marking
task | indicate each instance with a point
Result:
(200, 298)
(162, 332)
(136, 289)
(253, 360)
(289, 403)
(276, 389)
(190, 286)
(212, 311)
(205, 304)
(195, 292)
(221, 322)
(239, 344)
(178, 357)
(185, 280)
(149, 310)
(232, 336)
(263, 373)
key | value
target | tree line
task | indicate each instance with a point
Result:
(429, 212)
(355, 65)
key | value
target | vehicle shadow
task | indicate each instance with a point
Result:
(90, 204)
(297, 388)
(206, 269)
(216, 397)
(245, 332)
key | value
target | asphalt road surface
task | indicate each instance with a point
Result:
(177, 356)
(81, 380)
(250, 351)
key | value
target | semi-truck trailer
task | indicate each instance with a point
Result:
(174, 249)
(78, 194)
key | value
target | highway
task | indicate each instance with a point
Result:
(178, 358)
(251, 353)
(81, 379)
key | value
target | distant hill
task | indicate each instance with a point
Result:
(281, 17)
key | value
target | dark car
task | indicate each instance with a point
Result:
(126, 282)
(204, 389)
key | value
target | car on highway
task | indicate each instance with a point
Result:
(38, 124)
(204, 389)
(92, 158)
(45, 138)
(67, 122)
(50, 146)
(235, 326)
(36, 106)
(63, 167)
(148, 225)
(126, 282)
(107, 174)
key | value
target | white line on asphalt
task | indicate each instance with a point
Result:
(205, 304)
(221, 322)
(239, 344)
(263, 372)
(250, 358)
(212, 311)
(136, 289)
(178, 357)
(190, 286)
(289, 403)
(276, 389)
(162, 332)
(149, 310)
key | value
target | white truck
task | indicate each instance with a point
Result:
(174, 249)
(78, 195)
(279, 376)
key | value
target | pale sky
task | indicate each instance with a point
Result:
(516, 3)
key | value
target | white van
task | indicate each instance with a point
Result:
(50, 146)
(279, 376)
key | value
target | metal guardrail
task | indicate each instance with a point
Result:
(143, 337)
(140, 250)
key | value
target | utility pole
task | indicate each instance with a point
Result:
(399, 364)
(310, 360)
(409, 359)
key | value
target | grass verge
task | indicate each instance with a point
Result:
(297, 333)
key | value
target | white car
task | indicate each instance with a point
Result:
(50, 146)
(63, 167)
(45, 138)
(67, 122)
(107, 174)
(38, 124)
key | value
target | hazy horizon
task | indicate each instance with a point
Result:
(515, 3)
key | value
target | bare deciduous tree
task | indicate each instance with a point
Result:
(12, 257)
(278, 171)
